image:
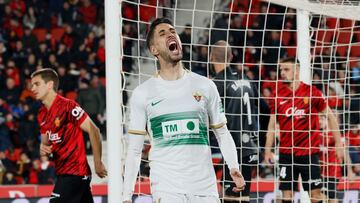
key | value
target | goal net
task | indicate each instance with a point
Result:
(260, 34)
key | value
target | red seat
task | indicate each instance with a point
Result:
(332, 23)
(357, 35)
(344, 23)
(286, 37)
(355, 50)
(322, 36)
(342, 50)
(71, 95)
(40, 34)
(343, 36)
(291, 51)
(57, 33)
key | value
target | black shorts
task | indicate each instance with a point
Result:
(246, 165)
(72, 189)
(292, 166)
(330, 184)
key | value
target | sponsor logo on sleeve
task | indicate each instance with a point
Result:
(77, 112)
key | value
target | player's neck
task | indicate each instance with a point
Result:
(170, 71)
(49, 99)
(294, 85)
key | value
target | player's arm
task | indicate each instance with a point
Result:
(270, 135)
(334, 128)
(95, 139)
(132, 163)
(137, 132)
(228, 150)
(223, 136)
(45, 147)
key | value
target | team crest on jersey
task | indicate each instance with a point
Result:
(306, 100)
(197, 96)
(57, 121)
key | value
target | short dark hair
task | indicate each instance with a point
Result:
(153, 25)
(290, 60)
(48, 74)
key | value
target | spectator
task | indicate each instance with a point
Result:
(219, 31)
(26, 92)
(29, 20)
(87, 12)
(13, 72)
(34, 172)
(18, 7)
(19, 54)
(9, 179)
(92, 102)
(28, 128)
(68, 13)
(63, 55)
(23, 166)
(185, 38)
(47, 173)
(11, 92)
(29, 39)
(5, 139)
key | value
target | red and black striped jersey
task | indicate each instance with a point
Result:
(61, 124)
(297, 113)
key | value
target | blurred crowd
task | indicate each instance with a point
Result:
(68, 36)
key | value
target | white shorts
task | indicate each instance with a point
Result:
(168, 197)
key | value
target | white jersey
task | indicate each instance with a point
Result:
(176, 115)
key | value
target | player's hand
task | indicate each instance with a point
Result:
(100, 169)
(269, 158)
(45, 150)
(340, 152)
(238, 180)
(351, 176)
(127, 201)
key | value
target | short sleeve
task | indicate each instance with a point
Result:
(75, 114)
(138, 116)
(215, 108)
(318, 100)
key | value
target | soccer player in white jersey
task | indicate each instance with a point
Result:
(176, 108)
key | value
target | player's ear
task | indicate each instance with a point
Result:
(50, 84)
(153, 50)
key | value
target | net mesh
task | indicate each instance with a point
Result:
(260, 34)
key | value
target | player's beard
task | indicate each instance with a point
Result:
(169, 57)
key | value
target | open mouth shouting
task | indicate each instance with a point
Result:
(173, 45)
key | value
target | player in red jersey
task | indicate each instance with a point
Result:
(61, 123)
(296, 108)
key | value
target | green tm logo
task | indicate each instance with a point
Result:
(171, 128)
(154, 103)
